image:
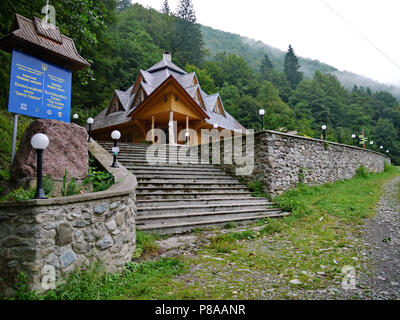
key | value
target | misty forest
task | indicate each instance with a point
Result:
(119, 39)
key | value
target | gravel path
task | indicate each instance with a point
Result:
(382, 235)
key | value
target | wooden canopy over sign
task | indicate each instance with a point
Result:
(43, 41)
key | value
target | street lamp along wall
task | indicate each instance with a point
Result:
(354, 139)
(115, 135)
(39, 142)
(75, 118)
(262, 114)
(324, 132)
(90, 121)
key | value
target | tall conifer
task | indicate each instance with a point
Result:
(165, 8)
(266, 68)
(291, 68)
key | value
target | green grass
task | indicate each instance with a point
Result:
(146, 246)
(146, 280)
(322, 235)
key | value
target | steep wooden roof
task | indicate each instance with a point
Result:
(44, 41)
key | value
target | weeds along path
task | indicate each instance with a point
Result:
(382, 234)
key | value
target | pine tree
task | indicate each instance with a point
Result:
(266, 68)
(123, 4)
(186, 11)
(189, 42)
(165, 8)
(291, 68)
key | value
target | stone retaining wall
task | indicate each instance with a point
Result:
(46, 239)
(281, 161)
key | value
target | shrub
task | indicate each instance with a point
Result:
(362, 172)
(48, 185)
(273, 226)
(22, 291)
(257, 188)
(73, 188)
(100, 180)
(230, 225)
(389, 167)
(145, 245)
(20, 194)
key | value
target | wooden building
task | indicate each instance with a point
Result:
(163, 97)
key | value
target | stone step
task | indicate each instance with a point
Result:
(157, 162)
(146, 176)
(182, 184)
(127, 155)
(182, 168)
(191, 189)
(161, 195)
(141, 147)
(186, 210)
(200, 201)
(181, 227)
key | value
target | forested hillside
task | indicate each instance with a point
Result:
(119, 39)
(253, 51)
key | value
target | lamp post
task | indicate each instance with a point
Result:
(381, 147)
(90, 121)
(371, 144)
(354, 139)
(324, 132)
(115, 135)
(39, 142)
(262, 114)
(387, 151)
(75, 117)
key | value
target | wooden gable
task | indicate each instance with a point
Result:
(115, 105)
(218, 108)
(199, 99)
(137, 84)
(140, 96)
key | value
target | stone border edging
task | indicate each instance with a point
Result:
(125, 183)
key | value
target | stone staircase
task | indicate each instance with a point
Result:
(175, 198)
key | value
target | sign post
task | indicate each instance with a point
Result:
(14, 137)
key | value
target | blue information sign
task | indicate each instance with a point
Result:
(39, 89)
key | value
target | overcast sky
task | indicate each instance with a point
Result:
(314, 30)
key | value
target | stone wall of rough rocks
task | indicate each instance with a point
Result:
(281, 161)
(65, 237)
(46, 239)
